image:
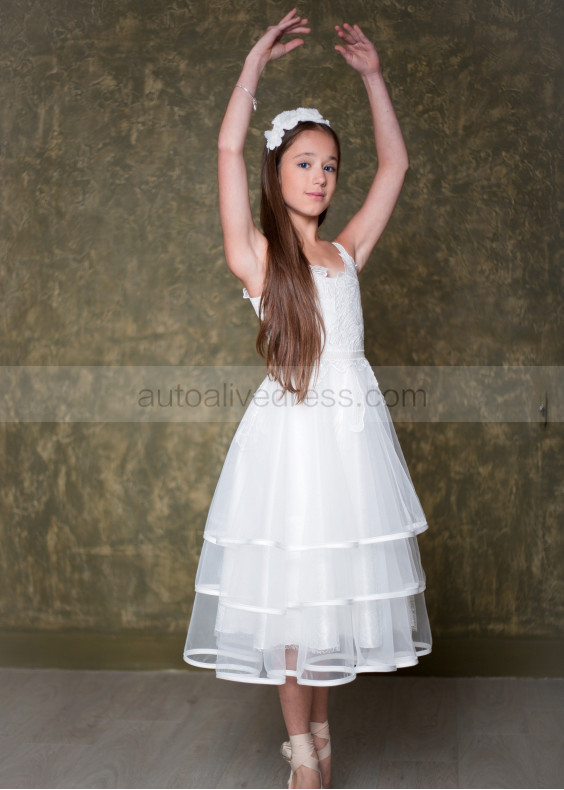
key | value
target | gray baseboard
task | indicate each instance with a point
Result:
(130, 650)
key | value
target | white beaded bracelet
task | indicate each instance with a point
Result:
(250, 94)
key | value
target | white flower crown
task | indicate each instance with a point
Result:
(287, 120)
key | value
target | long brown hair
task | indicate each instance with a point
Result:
(290, 334)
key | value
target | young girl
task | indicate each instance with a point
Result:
(310, 570)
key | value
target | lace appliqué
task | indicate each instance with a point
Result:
(323, 271)
(244, 428)
(411, 612)
(348, 309)
(341, 365)
(313, 650)
(342, 304)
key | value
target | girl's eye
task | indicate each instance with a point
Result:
(330, 167)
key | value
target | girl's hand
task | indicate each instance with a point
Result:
(269, 47)
(357, 50)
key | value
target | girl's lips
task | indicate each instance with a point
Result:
(315, 195)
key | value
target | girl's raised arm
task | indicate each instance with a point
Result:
(242, 241)
(363, 231)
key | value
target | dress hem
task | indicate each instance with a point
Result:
(424, 649)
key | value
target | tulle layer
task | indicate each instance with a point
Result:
(270, 580)
(310, 564)
(319, 645)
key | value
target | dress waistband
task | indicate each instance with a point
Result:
(342, 354)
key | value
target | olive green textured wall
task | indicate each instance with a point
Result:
(112, 255)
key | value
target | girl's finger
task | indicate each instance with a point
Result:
(290, 19)
(287, 27)
(301, 27)
(298, 22)
(345, 35)
(361, 35)
(352, 32)
(346, 40)
(289, 14)
(291, 45)
(356, 32)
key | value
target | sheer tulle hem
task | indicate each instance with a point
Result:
(324, 645)
(279, 679)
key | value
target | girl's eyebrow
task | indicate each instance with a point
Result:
(310, 153)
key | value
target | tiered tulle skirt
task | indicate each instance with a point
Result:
(310, 565)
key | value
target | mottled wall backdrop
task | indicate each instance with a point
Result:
(112, 255)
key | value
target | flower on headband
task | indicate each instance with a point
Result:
(287, 120)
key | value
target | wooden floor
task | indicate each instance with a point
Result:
(82, 728)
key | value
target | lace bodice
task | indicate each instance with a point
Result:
(341, 308)
(343, 351)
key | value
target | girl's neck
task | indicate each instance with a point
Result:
(308, 233)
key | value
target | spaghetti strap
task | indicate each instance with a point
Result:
(346, 255)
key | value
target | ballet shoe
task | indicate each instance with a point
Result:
(321, 729)
(302, 752)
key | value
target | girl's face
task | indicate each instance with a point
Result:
(308, 172)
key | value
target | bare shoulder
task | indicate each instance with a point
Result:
(248, 262)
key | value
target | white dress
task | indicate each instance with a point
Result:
(310, 565)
